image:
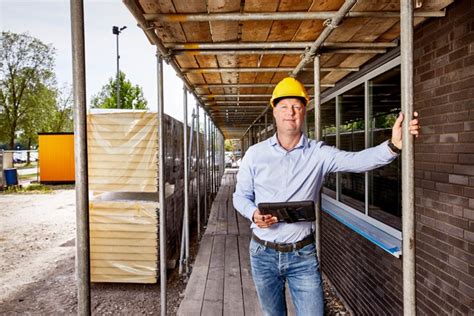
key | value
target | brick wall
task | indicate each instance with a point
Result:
(369, 279)
(444, 162)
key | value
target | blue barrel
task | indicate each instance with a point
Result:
(11, 177)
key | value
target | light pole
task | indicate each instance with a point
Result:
(116, 31)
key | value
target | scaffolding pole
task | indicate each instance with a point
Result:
(215, 52)
(263, 69)
(275, 45)
(185, 238)
(276, 16)
(161, 184)
(317, 136)
(330, 25)
(253, 85)
(408, 187)
(198, 173)
(80, 158)
(205, 168)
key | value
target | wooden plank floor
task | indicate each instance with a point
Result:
(221, 281)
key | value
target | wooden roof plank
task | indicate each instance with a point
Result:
(167, 32)
(257, 30)
(223, 31)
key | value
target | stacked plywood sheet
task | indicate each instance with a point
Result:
(123, 238)
(122, 152)
(122, 148)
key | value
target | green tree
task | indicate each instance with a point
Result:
(61, 119)
(26, 74)
(131, 97)
(228, 146)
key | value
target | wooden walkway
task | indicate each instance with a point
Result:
(221, 281)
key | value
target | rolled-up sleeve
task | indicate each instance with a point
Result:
(361, 161)
(244, 196)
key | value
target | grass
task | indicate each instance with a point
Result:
(28, 176)
(32, 188)
(32, 164)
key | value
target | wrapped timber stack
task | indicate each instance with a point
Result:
(122, 150)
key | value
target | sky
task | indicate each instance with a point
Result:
(49, 21)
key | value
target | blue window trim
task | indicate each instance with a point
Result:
(373, 233)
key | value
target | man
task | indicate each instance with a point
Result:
(290, 167)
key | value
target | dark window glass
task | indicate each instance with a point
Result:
(328, 127)
(385, 183)
(352, 138)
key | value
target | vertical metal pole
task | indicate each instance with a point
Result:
(211, 132)
(214, 151)
(338, 144)
(367, 132)
(266, 125)
(317, 136)
(186, 176)
(80, 158)
(205, 168)
(198, 172)
(209, 189)
(408, 191)
(161, 162)
(118, 73)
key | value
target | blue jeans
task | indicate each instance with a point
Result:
(300, 268)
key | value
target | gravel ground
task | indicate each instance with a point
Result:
(37, 265)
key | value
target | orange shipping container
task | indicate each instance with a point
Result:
(56, 157)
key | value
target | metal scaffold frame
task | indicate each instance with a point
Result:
(212, 140)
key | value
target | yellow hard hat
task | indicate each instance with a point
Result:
(289, 87)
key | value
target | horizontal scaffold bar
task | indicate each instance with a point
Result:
(233, 106)
(236, 102)
(277, 45)
(253, 85)
(268, 16)
(256, 69)
(196, 52)
(209, 96)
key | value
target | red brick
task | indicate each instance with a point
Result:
(469, 126)
(447, 168)
(461, 52)
(458, 116)
(466, 159)
(458, 179)
(450, 158)
(461, 95)
(466, 137)
(464, 148)
(455, 127)
(468, 192)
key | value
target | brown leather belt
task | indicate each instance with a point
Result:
(285, 247)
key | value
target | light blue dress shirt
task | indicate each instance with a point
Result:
(270, 173)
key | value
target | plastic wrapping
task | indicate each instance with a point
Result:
(122, 148)
(123, 241)
(123, 207)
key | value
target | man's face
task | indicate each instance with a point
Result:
(289, 115)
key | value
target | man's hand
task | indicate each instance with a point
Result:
(414, 128)
(263, 221)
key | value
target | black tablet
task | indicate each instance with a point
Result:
(289, 212)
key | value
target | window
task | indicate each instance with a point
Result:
(385, 183)
(352, 138)
(358, 116)
(328, 127)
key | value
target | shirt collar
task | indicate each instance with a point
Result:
(303, 142)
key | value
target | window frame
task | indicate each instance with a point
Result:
(365, 80)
